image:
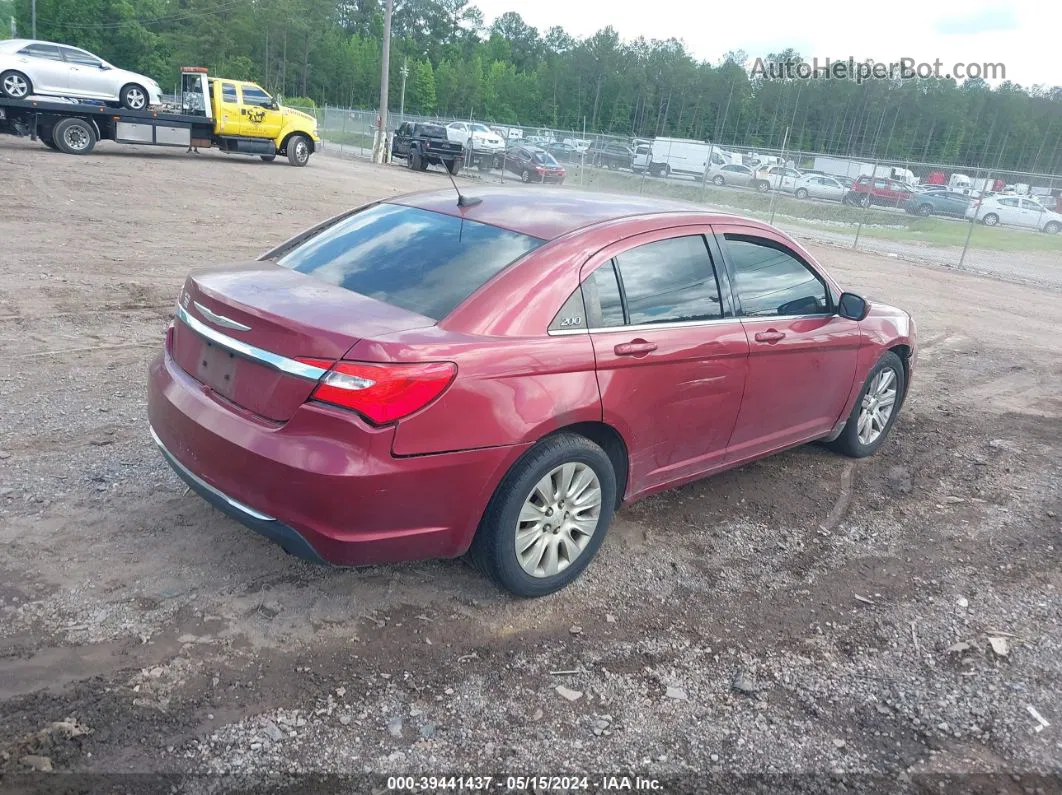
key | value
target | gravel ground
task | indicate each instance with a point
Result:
(891, 624)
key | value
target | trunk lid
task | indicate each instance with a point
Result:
(241, 330)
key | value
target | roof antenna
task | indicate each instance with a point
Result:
(462, 200)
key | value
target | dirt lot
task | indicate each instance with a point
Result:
(872, 621)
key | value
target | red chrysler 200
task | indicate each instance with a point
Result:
(423, 377)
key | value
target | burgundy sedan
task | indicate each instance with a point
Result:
(419, 378)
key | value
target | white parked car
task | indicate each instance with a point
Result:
(475, 136)
(780, 177)
(1015, 211)
(41, 68)
(819, 186)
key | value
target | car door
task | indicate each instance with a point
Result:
(1032, 213)
(87, 76)
(671, 357)
(802, 355)
(831, 189)
(260, 116)
(228, 122)
(952, 203)
(1008, 210)
(400, 142)
(45, 67)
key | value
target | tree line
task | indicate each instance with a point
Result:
(511, 73)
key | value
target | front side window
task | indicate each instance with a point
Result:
(253, 95)
(48, 51)
(669, 281)
(80, 57)
(770, 280)
(421, 261)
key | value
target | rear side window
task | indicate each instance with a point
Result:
(418, 260)
(669, 281)
(49, 51)
(228, 92)
(604, 305)
(771, 281)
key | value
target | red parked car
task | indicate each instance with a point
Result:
(419, 378)
(878, 190)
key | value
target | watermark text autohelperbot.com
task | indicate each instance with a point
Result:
(859, 71)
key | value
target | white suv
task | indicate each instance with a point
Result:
(475, 136)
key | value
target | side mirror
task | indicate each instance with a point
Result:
(852, 306)
(104, 67)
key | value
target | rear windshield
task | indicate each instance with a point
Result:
(418, 260)
(544, 157)
(432, 130)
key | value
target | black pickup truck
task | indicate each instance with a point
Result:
(424, 144)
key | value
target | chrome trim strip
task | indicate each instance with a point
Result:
(274, 360)
(687, 324)
(220, 320)
(199, 481)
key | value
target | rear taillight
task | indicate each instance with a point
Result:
(381, 393)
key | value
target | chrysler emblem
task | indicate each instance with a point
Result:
(220, 320)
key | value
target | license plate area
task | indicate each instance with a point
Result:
(217, 369)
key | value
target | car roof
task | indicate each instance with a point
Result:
(548, 214)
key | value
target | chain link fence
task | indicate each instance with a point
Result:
(1003, 223)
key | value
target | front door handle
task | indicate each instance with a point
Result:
(770, 336)
(635, 348)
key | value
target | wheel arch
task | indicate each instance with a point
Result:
(904, 351)
(286, 135)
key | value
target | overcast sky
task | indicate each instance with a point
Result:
(1025, 35)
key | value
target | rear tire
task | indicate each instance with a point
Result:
(298, 150)
(15, 85)
(717, 180)
(416, 161)
(850, 442)
(525, 176)
(925, 210)
(494, 548)
(74, 136)
(453, 166)
(991, 219)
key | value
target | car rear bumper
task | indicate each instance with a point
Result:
(324, 484)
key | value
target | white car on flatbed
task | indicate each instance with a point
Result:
(42, 68)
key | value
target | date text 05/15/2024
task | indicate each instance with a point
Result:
(523, 783)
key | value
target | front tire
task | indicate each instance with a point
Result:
(801, 193)
(925, 210)
(15, 85)
(548, 516)
(875, 410)
(298, 150)
(74, 136)
(134, 97)
(1052, 227)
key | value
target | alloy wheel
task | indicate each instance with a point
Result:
(15, 86)
(877, 406)
(558, 519)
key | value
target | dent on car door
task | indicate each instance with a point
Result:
(671, 357)
(802, 355)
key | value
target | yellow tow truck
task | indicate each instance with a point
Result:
(233, 115)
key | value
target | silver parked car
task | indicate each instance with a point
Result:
(734, 174)
(36, 68)
(818, 186)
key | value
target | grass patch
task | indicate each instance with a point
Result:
(347, 138)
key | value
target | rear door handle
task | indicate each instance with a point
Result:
(770, 335)
(635, 348)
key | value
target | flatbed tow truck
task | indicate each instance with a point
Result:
(232, 115)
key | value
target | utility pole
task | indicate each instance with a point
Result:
(33, 15)
(402, 107)
(379, 154)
